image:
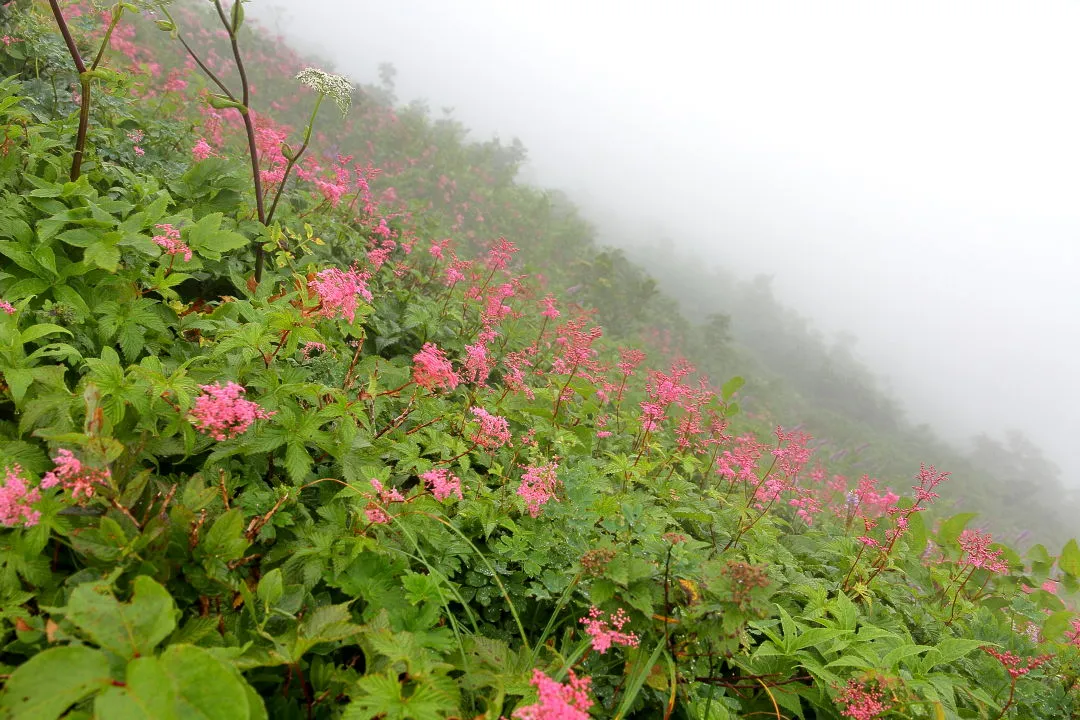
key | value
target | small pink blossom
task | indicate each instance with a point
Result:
(550, 311)
(977, 552)
(7, 307)
(17, 498)
(169, 241)
(201, 150)
(338, 290)
(494, 430)
(556, 701)
(431, 369)
(375, 510)
(442, 484)
(538, 485)
(606, 632)
(74, 476)
(222, 414)
(861, 702)
(312, 347)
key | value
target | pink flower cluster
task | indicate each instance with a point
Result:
(201, 150)
(312, 347)
(222, 414)
(442, 484)
(17, 498)
(556, 701)
(494, 430)
(375, 512)
(861, 702)
(977, 552)
(337, 291)
(432, 370)
(538, 485)
(606, 632)
(7, 307)
(1014, 664)
(74, 476)
(169, 241)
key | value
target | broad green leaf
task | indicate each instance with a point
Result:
(271, 587)
(127, 629)
(50, 682)
(1056, 624)
(1070, 558)
(184, 683)
(731, 387)
(950, 529)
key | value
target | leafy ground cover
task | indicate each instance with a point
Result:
(293, 426)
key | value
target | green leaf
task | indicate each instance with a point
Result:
(271, 587)
(731, 387)
(386, 697)
(208, 239)
(225, 541)
(50, 682)
(1069, 561)
(950, 529)
(895, 655)
(186, 682)
(127, 629)
(35, 332)
(103, 254)
(1056, 624)
(948, 650)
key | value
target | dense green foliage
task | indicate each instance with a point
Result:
(340, 435)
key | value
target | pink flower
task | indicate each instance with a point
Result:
(377, 515)
(538, 485)
(7, 307)
(608, 632)
(500, 253)
(74, 476)
(494, 431)
(201, 150)
(550, 311)
(222, 414)
(311, 347)
(432, 370)
(977, 552)
(556, 701)
(17, 499)
(170, 242)
(337, 291)
(861, 702)
(442, 484)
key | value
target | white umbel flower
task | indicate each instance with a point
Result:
(336, 87)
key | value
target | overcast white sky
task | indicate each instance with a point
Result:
(908, 171)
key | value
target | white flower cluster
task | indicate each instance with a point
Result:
(337, 87)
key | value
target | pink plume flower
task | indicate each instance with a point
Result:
(861, 702)
(222, 413)
(337, 291)
(377, 515)
(201, 150)
(169, 241)
(432, 370)
(7, 307)
(538, 485)
(556, 701)
(494, 430)
(606, 632)
(74, 476)
(442, 484)
(17, 500)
